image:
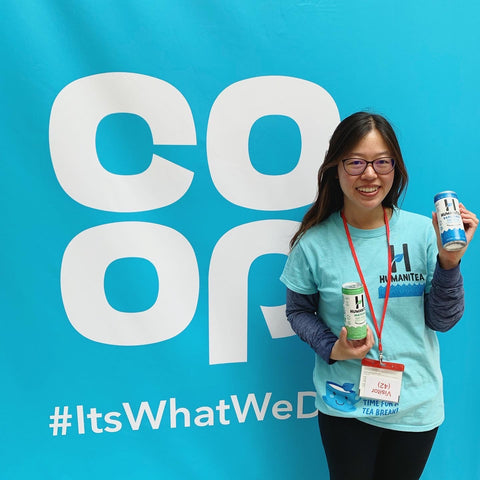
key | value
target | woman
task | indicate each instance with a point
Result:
(354, 231)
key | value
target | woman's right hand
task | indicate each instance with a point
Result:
(344, 349)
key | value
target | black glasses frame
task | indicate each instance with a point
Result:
(392, 160)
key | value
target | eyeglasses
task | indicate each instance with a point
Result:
(356, 166)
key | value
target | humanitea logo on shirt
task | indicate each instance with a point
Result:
(405, 282)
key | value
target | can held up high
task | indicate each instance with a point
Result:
(450, 221)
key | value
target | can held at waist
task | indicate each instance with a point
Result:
(450, 221)
(354, 311)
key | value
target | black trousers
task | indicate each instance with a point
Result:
(358, 451)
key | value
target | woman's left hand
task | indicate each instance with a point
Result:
(448, 259)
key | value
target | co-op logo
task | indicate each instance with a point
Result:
(75, 116)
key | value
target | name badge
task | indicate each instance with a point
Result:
(381, 380)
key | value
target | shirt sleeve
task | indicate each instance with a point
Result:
(302, 315)
(445, 303)
(297, 274)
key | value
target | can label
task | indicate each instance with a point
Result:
(354, 311)
(450, 221)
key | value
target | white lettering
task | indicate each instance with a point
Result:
(75, 115)
(205, 419)
(232, 116)
(282, 406)
(221, 408)
(110, 419)
(145, 409)
(80, 420)
(83, 269)
(228, 282)
(251, 401)
(203, 416)
(174, 412)
(94, 416)
(300, 412)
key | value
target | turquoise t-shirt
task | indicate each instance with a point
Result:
(321, 262)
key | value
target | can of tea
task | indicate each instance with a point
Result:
(354, 312)
(450, 221)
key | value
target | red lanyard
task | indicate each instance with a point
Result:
(389, 279)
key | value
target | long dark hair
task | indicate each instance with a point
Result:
(347, 134)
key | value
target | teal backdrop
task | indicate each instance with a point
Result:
(156, 155)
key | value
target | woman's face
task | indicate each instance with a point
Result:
(364, 193)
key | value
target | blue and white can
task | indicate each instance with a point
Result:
(450, 221)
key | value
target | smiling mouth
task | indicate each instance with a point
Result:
(367, 189)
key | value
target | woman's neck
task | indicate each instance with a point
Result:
(366, 219)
